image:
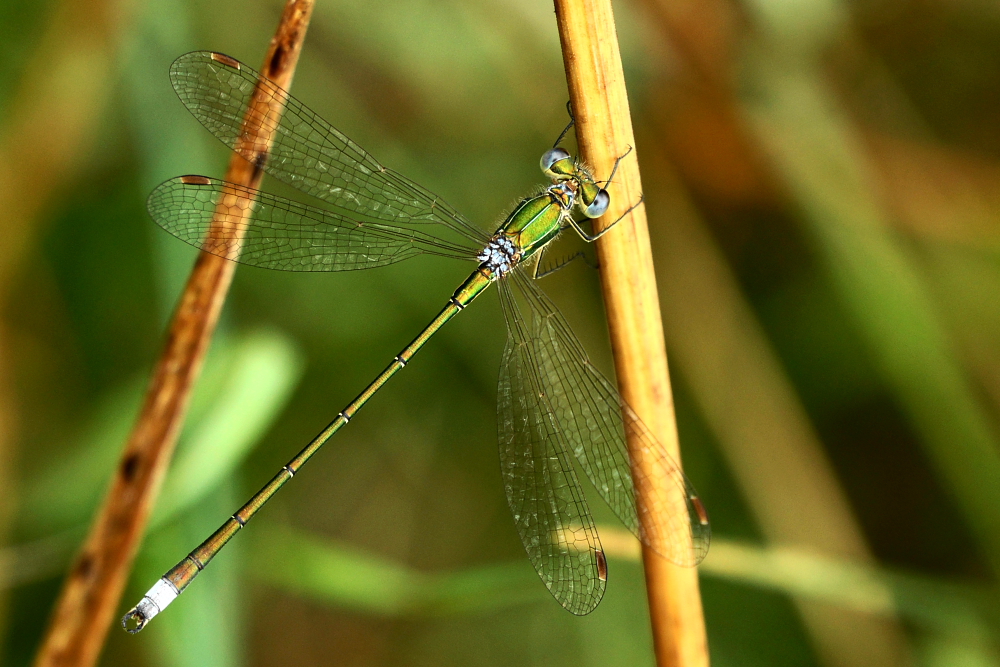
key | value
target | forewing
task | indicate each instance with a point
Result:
(598, 424)
(259, 229)
(307, 152)
(544, 494)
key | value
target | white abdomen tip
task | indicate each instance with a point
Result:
(156, 600)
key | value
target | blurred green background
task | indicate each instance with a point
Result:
(822, 180)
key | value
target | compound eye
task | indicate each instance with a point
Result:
(552, 156)
(599, 206)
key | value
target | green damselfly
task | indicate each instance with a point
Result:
(553, 405)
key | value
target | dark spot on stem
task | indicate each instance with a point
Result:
(258, 165)
(84, 567)
(277, 62)
(130, 466)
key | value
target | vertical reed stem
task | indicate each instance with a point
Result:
(604, 129)
(87, 603)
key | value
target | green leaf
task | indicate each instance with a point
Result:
(349, 578)
(264, 370)
(879, 280)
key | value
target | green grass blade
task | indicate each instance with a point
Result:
(263, 373)
(349, 578)
(881, 284)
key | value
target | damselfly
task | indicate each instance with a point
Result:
(553, 405)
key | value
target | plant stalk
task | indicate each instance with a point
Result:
(86, 606)
(604, 130)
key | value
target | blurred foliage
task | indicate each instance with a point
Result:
(837, 162)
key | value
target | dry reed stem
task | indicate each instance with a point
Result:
(90, 595)
(604, 130)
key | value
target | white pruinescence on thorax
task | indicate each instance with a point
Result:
(499, 255)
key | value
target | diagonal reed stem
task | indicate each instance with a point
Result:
(604, 129)
(91, 593)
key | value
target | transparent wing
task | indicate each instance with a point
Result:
(263, 230)
(307, 152)
(544, 494)
(596, 423)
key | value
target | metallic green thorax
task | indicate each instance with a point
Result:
(534, 223)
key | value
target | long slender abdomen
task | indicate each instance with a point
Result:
(173, 583)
